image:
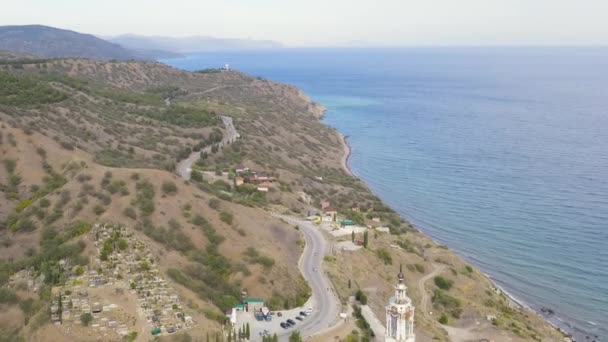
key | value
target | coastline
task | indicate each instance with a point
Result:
(566, 331)
(346, 154)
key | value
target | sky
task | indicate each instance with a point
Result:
(320, 23)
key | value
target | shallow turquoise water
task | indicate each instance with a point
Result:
(502, 154)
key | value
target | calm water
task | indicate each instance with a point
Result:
(502, 154)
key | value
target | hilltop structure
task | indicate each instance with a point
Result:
(400, 315)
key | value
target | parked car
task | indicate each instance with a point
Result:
(268, 318)
(284, 325)
(299, 318)
(291, 322)
(309, 310)
(304, 314)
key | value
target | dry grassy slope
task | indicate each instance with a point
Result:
(473, 289)
(114, 110)
(281, 134)
(272, 238)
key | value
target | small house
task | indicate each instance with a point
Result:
(240, 168)
(264, 186)
(254, 304)
(238, 181)
(330, 212)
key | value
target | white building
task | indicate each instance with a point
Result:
(400, 315)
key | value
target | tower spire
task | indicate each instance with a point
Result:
(400, 314)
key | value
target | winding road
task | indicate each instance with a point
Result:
(324, 301)
(184, 167)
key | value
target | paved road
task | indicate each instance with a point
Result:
(323, 300)
(184, 167)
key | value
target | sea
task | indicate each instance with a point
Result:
(499, 153)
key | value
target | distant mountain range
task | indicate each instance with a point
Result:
(45, 41)
(191, 44)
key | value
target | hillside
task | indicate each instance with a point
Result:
(87, 142)
(45, 41)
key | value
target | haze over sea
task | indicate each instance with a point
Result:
(501, 153)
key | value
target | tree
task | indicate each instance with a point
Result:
(361, 297)
(352, 236)
(247, 331)
(443, 283)
(275, 338)
(295, 337)
(86, 318)
(349, 283)
(196, 176)
(365, 239)
(443, 319)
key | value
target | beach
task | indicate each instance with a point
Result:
(346, 154)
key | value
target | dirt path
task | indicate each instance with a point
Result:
(455, 334)
(424, 301)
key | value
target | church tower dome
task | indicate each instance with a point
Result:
(400, 314)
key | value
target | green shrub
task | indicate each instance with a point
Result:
(385, 256)
(10, 165)
(361, 297)
(145, 197)
(99, 209)
(44, 203)
(226, 217)
(86, 319)
(254, 257)
(443, 283)
(130, 213)
(26, 91)
(196, 176)
(169, 188)
(23, 204)
(442, 299)
(214, 203)
(8, 296)
(443, 319)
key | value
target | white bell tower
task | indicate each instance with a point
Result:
(400, 315)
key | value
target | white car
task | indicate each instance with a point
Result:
(309, 310)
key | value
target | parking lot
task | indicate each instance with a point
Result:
(273, 326)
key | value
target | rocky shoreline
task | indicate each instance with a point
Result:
(545, 313)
